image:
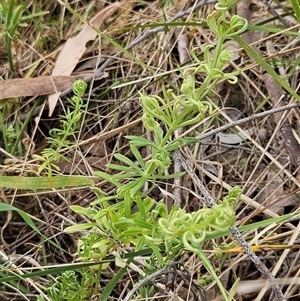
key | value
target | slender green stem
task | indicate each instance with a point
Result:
(211, 270)
(218, 51)
(201, 91)
(4, 136)
(166, 138)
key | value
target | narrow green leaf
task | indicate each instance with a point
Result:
(262, 224)
(141, 207)
(78, 209)
(127, 175)
(148, 204)
(128, 234)
(79, 227)
(172, 176)
(113, 282)
(140, 243)
(296, 8)
(233, 289)
(143, 224)
(138, 156)
(265, 66)
(107, 177)
(103, 200)
(190, 140)
(127, 161)
(44, 183)
(273, 29)
(6, 207)
(35, 15)
(102, 242)
(23, 214)
(52, 271)
(140, 141)
(128, 200)
(156, 251)
(121, 168)
(174, 145)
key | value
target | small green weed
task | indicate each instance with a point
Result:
(113, 227)
(59, 137)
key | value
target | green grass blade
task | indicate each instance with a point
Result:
(113, 282)
(52, 271)
(126, 161)
(44, 183)
(23, 214)
(257, 58)
(26, 217)
(296, 8)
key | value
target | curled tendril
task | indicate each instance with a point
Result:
(233, 195)
(231, 77)
(224, 219)
(223, 5)
(195, 57)
(207, 55)
(153, 165)
(159, 210)
(152, 107)
(224, 58)
(213, 68)
(224, 29)
(238, 25)
(210, 109)
(79, 87)
(164, 157)
(149, 122)
(192, 120)
(188, 86)
(214, 22)
(192, 228)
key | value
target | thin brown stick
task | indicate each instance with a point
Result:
(247, 119)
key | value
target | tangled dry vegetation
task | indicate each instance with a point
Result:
(155, 37)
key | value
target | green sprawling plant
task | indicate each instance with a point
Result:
(59, 137)
(115, 226)
(70, 286)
